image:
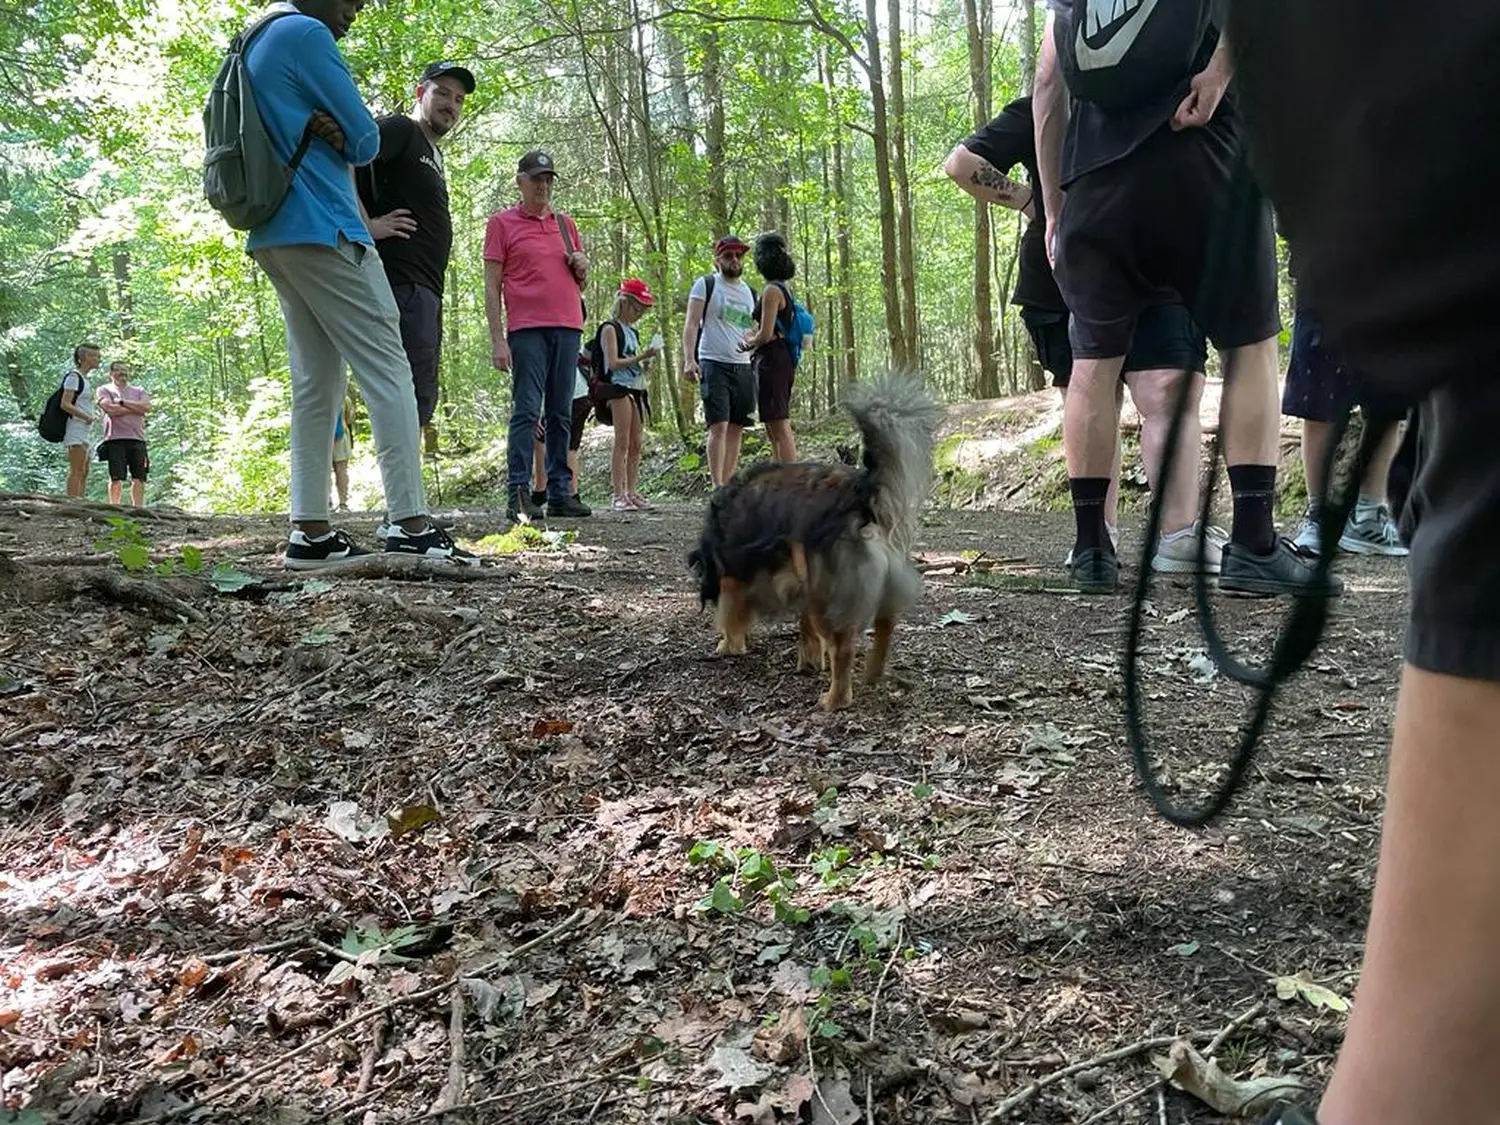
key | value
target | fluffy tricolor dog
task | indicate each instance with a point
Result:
(827, 544)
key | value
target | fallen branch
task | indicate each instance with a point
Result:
(411, 569)
(372, 1055)
(135, 592)
(389, 1006)
(453, 1089)
(91, 509)
(1026, 1093)
(20, 734)
(1122, 1103)
(1231, 1028)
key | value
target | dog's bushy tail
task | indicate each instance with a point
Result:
(897, 418)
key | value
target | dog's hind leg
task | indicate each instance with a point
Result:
(840, 692)
(809, 645)
(875, 662)
(733, 618)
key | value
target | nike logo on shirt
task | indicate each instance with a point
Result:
(1113, 26)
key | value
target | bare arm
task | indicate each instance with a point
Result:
(494, 313)
(981, 179)
(70, 406)
(1049, 105)
(767, 330)
(690, 338)
(1206, 90)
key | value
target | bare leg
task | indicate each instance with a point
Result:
(1430, 973)
(78, 470)
(116, 487)
(731, 455)
(783, 444)
(1155, 396)
(1091, 438)
(622, 413)
(717, 436)
(138, 493)
(538, 466)
(1251, 405)
(341, 482)
(573, 468)
(633, 451)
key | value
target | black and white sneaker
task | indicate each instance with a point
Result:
(434, 543)
(335, 548)
(384, 530)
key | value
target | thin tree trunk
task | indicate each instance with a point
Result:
(123, 299)
(1028, 44)
(988, 385)
(894, 322)
(713, 139)
(905, 225)
(845, 238)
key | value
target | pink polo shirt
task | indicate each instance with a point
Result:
(539, 289)
(124, 427)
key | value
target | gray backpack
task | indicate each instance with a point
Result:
(243, 177)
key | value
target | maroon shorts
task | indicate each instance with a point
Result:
(774, 374)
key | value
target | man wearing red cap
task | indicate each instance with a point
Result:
(721, 309)
(534, 269)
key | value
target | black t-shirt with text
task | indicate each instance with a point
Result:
(1007, 140)
(409, 173)
(1097, 136)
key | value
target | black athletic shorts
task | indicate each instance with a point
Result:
(1321, 388)
(1136, 233)
(1403, 270)
(422, 336)
(728, 391)
(125, 454)
(1165, 339)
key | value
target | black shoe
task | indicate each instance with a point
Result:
(442, 522)
(1095, 571)
(571, 508)
(333, 549)
(522, 508)
(1283, 571)
(434, 543)
(1289, 1115)
(538, 496)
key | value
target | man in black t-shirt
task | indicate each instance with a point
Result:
(405, 191)
(1166, 342)
(1154, 175)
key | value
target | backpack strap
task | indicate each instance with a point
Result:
(239, 45)
(709, 281)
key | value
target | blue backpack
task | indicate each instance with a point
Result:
(798, 325)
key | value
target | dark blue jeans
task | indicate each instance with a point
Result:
(543, 362)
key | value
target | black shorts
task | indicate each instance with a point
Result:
(1166, 338)
(774, 374)
(1136, 233)
(728, 391)
(1320, 388)
(422, 336)
(608, 393)
(125, 454)
(581, 407)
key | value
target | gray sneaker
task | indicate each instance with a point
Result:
(1308, 536)
(1114, 541)
(1284, 570)
(1289, 1115)
(1095, 571)
(1372, 532)
(1177, 553)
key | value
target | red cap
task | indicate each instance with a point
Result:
(638, 291)
(730, 242)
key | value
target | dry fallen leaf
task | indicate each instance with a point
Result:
(782, 1041)
(1186, 1069)
(833, 1104)
(546, 727)
(737, 1070)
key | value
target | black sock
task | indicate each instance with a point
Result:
(1254, 488)
(1088, 510)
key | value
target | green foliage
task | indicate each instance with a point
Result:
(127, 541)
(746, 872)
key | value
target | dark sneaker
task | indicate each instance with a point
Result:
(444, 522)
(538, 496)
(1285, 570)
(571, 508)
(323, 553)
(1372, 531)
(434, 543)
(1095, 571)
(1289, 1115)
(522, 508)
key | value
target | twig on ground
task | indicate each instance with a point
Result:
(1130, 1050)
(339, 1029)
(1161, 1103)
(1122, 1103)
(372, 1054)
(1232, 1027)
(387, 565)
(453, 1089)
(231, 955)
(20, 734)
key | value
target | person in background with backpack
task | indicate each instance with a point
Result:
(404, 190)
(1153, 161)
(771, 358)
(78, 435)
(335, 298)
(622, 387)
(534, 271)
(720, 310)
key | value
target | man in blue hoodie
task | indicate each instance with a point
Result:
(318, 253)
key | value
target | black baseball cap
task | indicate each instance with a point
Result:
(536, 163)
(439, 69)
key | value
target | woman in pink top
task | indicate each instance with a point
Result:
(125, 407)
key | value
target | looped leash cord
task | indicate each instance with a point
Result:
(1303, 627)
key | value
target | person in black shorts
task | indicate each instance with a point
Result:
(125, 407)
(1146, 167)
(1319, 390)
(405, 190)
(1167, 342)
(770, 357)
(1404, 273)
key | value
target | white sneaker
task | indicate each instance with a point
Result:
(1309, 536)
(1177, 553)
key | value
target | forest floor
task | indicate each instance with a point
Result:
(514, 845)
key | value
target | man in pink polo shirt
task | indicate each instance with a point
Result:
(125, 407)
(534, 270)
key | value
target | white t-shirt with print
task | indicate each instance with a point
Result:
(729, 315)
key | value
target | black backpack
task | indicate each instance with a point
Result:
(53, 423)
(1134, 58)
(599, 373)
(709, 281)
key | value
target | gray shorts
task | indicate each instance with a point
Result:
(728, 391)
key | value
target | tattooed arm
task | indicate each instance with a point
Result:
(984, 182)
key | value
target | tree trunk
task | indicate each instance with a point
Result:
(123, 299)
(845, 239)
(894, 324)
(717, 207)
(1028, 44)
(988, 385)
(905, 225)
